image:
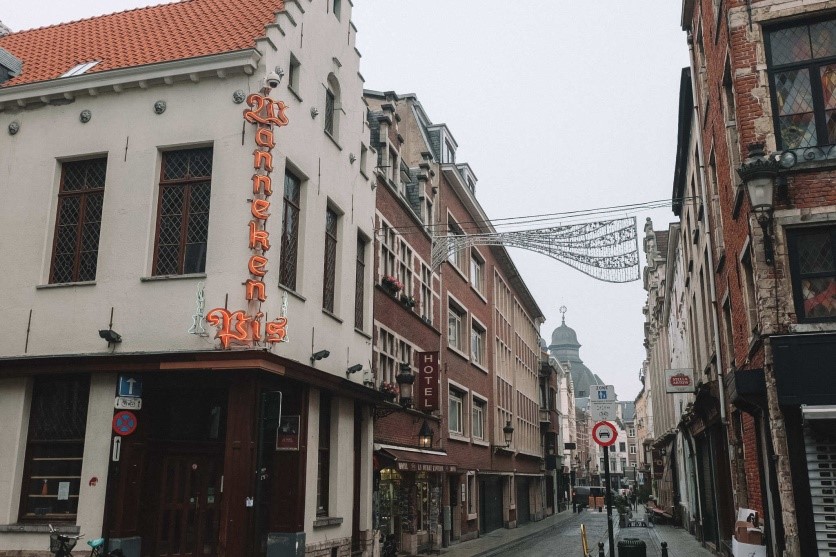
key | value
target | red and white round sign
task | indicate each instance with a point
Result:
(604, 433)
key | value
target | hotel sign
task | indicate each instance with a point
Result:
(679, 380)
(249, 326)
(428, 385)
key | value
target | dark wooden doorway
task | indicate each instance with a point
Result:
(189, 503)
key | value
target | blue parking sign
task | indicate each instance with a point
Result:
(130, 386)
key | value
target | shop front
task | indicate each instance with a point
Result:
(804, 366)
(712, 468)
(174, 474)
(410, 495)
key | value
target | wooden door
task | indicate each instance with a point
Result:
(189, 502)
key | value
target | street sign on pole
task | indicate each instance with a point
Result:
(604, 433)
(608, 492)
(602, 403)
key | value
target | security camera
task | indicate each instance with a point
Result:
(355, 368)
(320, 355)
(273, 79)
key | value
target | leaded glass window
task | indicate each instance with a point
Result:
(330, 271)
(183, 212)
(802, 73)
(78, 223)
(290, 230)
(55, 448)
(359, 282)
(329, 112)
(813, 264)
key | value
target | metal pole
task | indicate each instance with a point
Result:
(608, 495)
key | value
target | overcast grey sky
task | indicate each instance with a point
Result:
(557, 105)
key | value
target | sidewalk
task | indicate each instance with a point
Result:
(502, 538)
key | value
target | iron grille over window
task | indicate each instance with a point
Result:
(359, 281)
(330, 276)
(813, 265)
(290, 230)
(183, 212)
(78, 223)
(802, 74)
(55, 449)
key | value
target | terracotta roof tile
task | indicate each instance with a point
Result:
(163, 33)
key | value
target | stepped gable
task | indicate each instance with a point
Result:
(163, 33)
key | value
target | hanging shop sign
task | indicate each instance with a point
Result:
(679, 381)
(287, 435)
(249, 326)
(428, 385)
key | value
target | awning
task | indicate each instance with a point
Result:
(825, 412)
(415, 461)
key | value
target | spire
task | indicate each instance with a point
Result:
(563, 315)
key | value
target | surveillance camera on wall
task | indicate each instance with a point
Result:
(272, 80)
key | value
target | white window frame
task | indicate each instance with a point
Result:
(454, 397)
(457, 313)
(477, 272)
(478, 355)
(480, 403)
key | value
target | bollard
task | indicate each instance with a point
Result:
(601, 549)
(664, 549)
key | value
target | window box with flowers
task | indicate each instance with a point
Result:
(408, 301)
(389, 389)
(391, 284)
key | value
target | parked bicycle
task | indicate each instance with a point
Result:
(62, 545)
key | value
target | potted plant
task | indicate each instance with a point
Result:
(389, 389)
(622, 505)
(391, 284)
(408, 301)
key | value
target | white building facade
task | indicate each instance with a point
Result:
(179, 203)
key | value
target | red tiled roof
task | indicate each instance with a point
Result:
(163, 33)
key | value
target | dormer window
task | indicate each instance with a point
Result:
(448, 154)
(80, 68)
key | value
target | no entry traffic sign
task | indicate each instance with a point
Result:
(604, 433)
(124, 423)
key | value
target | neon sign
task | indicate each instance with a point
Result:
(247, 326)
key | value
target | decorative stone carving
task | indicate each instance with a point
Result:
(314, 112)
(14, 127)
(159, 107)
(85, 116)
(238, 96)
(351, 158)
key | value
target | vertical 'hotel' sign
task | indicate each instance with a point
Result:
(245, 326)
(428, 386)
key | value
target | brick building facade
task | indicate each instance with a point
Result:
(474, 311)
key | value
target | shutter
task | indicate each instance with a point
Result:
(821, 468)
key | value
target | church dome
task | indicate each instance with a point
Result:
(564, 336)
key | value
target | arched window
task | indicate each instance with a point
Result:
(333, 106)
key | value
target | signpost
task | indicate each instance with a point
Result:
(602, 403)
(605, 434)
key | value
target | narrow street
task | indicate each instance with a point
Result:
(563, 538)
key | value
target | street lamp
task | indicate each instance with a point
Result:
(758, 173)
(425, 436)
(405, 379)
(508, 433)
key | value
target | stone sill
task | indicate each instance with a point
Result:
(38, 528)
(325, 521)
